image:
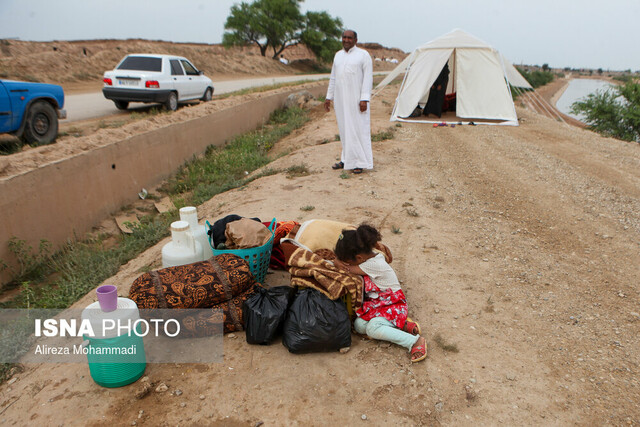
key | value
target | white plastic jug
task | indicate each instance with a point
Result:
(183, 248)
(199, 232)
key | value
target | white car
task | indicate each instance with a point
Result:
(166, 79)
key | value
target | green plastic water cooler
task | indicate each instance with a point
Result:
(114, 360)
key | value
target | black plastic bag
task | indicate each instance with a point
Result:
(264, 313)
(314, 323)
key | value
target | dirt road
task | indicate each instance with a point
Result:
(517, 246)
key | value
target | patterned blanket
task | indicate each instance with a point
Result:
(310, 270)
(222, 282)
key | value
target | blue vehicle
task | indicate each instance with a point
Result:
(31, 110)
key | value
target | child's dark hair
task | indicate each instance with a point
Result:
(355, 242)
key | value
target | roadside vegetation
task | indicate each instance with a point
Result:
(537, 78)
(614, 112)
(56, 280)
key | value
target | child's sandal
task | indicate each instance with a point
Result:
(411, 327)
(419, 351)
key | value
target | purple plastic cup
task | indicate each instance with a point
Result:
(107, 297)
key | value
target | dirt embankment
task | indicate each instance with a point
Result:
(517, 245)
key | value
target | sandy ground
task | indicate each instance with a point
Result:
(518, 245)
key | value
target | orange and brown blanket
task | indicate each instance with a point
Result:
(222, 282)
(310, 270)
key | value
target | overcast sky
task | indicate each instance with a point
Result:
(561, 33)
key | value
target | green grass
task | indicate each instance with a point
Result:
(297, 171)
(10, 146)
(59, 280)
(223, 168)
(32, 265)
(154, 111)
(105, 124)
(383, 135)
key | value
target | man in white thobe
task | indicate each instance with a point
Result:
(350, 90)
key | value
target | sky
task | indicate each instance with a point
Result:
(561, 33)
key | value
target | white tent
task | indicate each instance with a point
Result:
(479, 77)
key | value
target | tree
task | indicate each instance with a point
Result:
(278, 24)
(282, 21)
(321, 34)
(245, 23)
(614, 112)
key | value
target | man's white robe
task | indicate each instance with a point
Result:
(351, 82)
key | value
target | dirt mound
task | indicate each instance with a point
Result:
(64, 62)
(379, 51)
(517, 249)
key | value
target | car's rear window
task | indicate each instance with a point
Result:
(141, 63)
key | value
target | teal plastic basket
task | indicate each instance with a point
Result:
(258, 258)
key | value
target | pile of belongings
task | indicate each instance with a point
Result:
(313, 313)
(220, 284)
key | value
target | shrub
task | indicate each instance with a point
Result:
(537, 78)
(614, 112)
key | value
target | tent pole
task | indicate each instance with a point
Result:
(455, 71)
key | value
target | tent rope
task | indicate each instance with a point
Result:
(539, 105)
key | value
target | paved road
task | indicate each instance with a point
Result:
(92, 105)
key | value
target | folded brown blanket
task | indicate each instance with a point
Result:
(199, 285)
(312, 271)
(222, 282)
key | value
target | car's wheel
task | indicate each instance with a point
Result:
(208, 95)
(41, 125)
(121, 105)
(172, 102)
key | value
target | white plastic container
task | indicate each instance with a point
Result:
(199, 232)
(183, 248)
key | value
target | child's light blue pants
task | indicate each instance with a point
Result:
(380, 328)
